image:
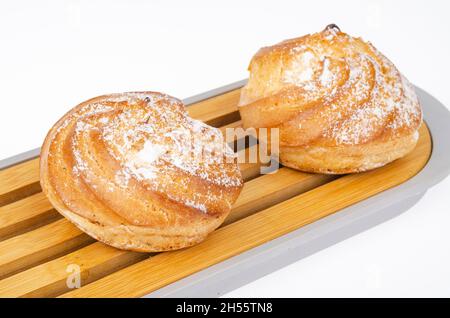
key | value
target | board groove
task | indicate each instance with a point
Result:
(37, 245)
(25, 215)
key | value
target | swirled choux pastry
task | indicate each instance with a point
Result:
(340, 105)
(134, 171)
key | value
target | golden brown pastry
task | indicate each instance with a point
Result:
(134, 171)
(340, 105)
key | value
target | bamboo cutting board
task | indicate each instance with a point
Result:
(37, 245)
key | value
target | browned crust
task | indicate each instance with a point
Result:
(331, 95)
(137, 217)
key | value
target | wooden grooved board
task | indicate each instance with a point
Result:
(19, 181)
(257, 194)
(162, 269)
(36, 245)
(25, 214)
(219, 110)
(272, 189)
(50, 279)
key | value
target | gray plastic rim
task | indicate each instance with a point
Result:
(239, 270)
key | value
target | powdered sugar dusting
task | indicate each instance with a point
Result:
(374, 98)
(300, 72)
(150, 152)
(326, 78)
(152, 137)
(393, 102)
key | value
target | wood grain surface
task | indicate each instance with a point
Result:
(37, 245)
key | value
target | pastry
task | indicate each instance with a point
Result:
(134, 171)
(339, 104)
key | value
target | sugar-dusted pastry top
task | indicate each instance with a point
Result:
(138, 160)
(328, 89)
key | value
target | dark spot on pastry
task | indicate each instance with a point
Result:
(332, 26)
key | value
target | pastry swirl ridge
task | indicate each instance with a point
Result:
(134, 171)
(340, 105)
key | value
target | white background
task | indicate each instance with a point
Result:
(55, 54)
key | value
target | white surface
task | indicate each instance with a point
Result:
(55, 54)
